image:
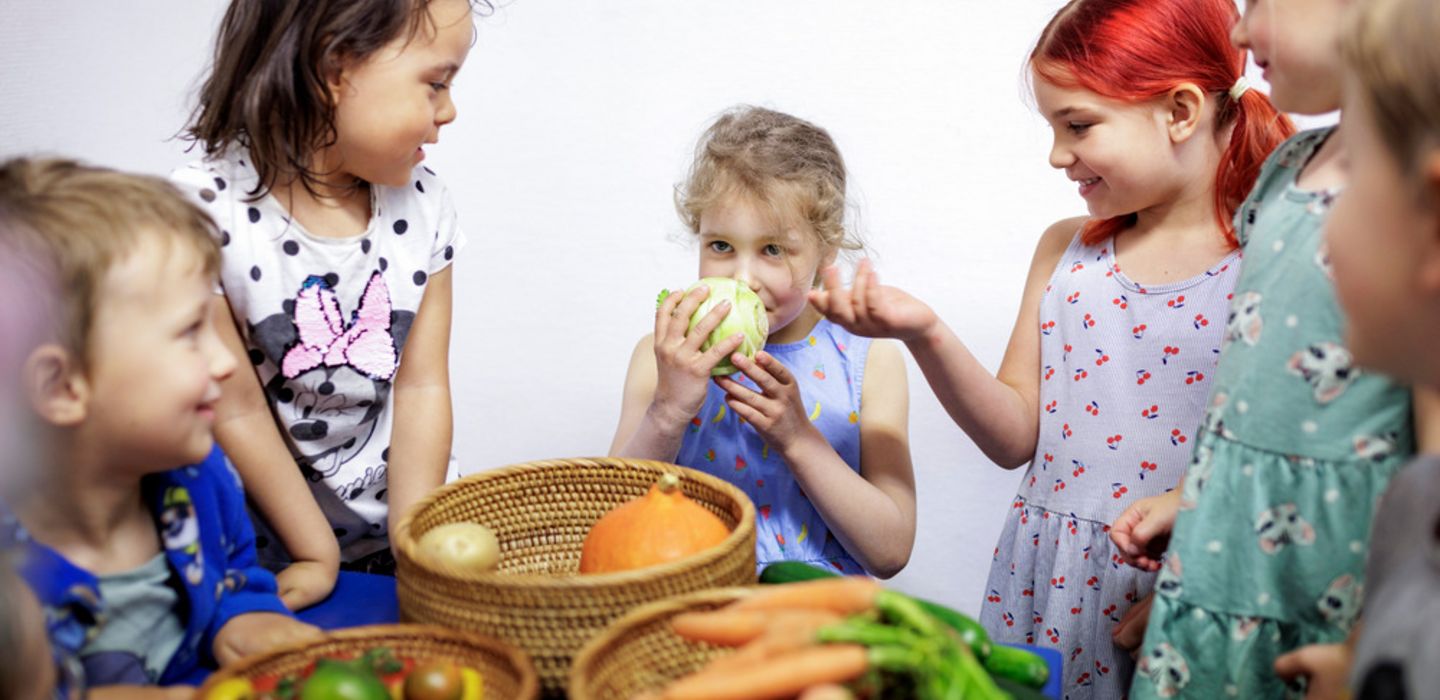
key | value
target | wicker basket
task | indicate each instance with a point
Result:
(541, 512)
(507, 671)
(640, 652)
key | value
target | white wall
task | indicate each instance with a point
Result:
(576, 118)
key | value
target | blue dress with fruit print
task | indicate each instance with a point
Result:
(829, 366)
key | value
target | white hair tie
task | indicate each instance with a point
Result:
(1240, 87)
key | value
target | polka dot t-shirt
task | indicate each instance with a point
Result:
(324, 321)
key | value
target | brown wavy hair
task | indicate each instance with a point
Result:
(783, 161)
(267, 90)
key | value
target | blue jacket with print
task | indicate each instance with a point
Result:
(201, 517)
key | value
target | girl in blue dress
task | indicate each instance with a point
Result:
(814, 429)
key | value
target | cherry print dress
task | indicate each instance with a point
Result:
(1125, 372)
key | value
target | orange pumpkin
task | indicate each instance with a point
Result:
(663, 525)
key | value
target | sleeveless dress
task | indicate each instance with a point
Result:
(1125, 372)
(829, 366)
(1268, 551)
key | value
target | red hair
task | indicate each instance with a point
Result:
(1139, 50)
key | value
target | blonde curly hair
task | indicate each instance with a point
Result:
(780, 160)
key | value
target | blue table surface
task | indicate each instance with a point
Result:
(367, 599)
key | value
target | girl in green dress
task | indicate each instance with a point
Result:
(1271, 522)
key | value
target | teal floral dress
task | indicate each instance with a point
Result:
(1268, 551)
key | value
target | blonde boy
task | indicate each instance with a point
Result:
(145, 566)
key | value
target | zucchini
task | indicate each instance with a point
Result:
(793, 572)
(1018, 665)
(966, 627)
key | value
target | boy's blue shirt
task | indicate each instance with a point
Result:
(200, 514)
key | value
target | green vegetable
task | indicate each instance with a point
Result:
(338, 680)
(1018, 665)
(747, 316)
(793, 572)
(969, 630)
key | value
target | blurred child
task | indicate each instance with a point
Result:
(335, 267)
(1268, 548)
(1384, 237)
(814, 430)
(1105, 377)
(145, 566)
(26, 672)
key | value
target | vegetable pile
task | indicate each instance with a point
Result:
(847, 637)
(378, 674)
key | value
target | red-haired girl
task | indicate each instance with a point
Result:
(1108, 368)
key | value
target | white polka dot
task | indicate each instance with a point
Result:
(1248, 470)
(1263, 599)
(1242, 406)
(1279, 245)
(1309, 426)
(1332, 495)
(1214, 546)
(1232, 690)
(1292, 321)
(1199, 614)
(1357, 546)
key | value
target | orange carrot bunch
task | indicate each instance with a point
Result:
(818, 639)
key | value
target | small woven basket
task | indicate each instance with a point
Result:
(540, 512)
(507, 671)
(640, 652)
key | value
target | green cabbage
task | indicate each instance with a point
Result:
(747, 315)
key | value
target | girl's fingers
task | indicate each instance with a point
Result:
(839, 302)
(820, 299)
(696, 337)
(760, 374)
(779, 371)
(860, 291)
(685, 308)
(722, 349)
(751, 414)
(735, 390)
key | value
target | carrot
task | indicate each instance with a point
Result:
(731, 628)
(846, 595)
(781, 676)
(790, 631)
(827, 691)
(725, 627)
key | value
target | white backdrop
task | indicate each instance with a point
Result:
(576, 118)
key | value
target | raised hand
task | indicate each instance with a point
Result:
(682, 370)
(871, 309)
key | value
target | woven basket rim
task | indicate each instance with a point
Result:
(586, 657)
(408, 545)
(520, 661)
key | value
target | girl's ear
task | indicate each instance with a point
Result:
(1430, 246)
(1186, 103)
(55, 386)
(333, 70)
